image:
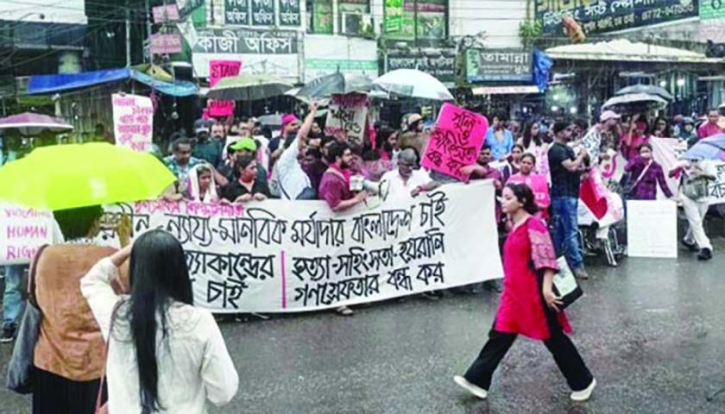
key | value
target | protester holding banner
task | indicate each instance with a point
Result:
(694, 178)
(566, 169)
(165, 354)
(538, 183)
(201, 186)
(499, 139)
(248, 146)
(645, 174)
(711, 127)
(335, 184)
(408, 180)
(247, 187)
(69, 354)
(528, 304)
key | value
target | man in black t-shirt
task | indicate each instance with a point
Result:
(565, 168)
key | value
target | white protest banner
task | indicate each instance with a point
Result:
(292, 256)
(347, 116)
(133, 121)
(667, 151)
(652, 228)
(22, 232)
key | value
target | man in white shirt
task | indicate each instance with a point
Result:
(294, 183)
(407, 180)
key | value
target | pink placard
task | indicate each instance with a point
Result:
(168, 13)
(166, 43)
(456, 141)
(219, 69)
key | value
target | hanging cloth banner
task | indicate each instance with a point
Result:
(292, 256)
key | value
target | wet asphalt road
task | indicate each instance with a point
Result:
(652, 332)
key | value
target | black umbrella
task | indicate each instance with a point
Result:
(648, 89)
(336, 84)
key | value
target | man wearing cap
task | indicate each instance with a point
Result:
(592, 141)
(204, 148)
(290, 127)
(248, 146)
(293, 182)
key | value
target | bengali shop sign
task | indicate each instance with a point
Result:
(22, 231)
(613, 15)
(292, 256)
(347, 116)
(456, 141)
(220, 69)
(133, 121)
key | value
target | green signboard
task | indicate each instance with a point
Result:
(712, 9)
(322, 17)
(393, 16)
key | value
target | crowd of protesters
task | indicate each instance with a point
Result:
(536, 171)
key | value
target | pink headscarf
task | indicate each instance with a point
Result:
(288, 119)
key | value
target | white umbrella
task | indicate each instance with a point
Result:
(633, 99)
(412, 83)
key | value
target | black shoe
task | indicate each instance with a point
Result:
(705, 254)
(691, 246)
(8, 335)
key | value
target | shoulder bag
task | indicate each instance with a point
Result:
(21, 369)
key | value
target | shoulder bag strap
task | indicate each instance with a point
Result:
(641, 175)
(31, 276)
(105, 365)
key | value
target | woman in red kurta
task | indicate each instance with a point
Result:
(528, 305)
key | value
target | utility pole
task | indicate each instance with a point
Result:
(128, 36)
(148, 27)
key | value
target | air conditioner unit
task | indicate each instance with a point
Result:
(355, 23)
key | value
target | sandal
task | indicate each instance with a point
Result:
(344, 311)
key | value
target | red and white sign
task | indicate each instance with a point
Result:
(220, 69)
(168, 13)
(133, 121)
(166, 43)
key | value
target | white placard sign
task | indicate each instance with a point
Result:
(22, 232)
(652, 228)
(133, 121)
(292, 256)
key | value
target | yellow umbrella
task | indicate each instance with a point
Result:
(60, 177)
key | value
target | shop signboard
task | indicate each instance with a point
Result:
(501, 65)
(604, 16)
(236, 12)
(290, 13)
(441, 65)
(274, 52)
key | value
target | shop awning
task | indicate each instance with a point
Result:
(624, 50)
(506, 90)
(45, 84)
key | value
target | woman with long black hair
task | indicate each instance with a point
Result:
(165, 355)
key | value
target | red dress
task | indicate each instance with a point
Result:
(522, 309)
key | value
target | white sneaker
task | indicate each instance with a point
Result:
(473, 389)
(584, 394)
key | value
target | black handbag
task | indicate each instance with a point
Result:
(21, 369)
